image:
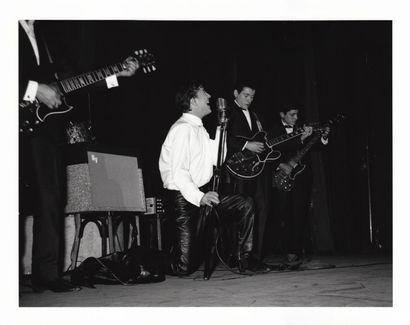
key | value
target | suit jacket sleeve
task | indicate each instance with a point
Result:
(235, 132)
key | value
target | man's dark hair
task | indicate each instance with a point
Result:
(185, 94)
(284, 108)
(239, 85)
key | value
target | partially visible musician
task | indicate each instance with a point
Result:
(41, 159)
(289, 228)
(243, 122)
(186, 163)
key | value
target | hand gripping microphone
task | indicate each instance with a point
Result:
(221, 108)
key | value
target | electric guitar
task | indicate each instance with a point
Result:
(284, 179)
(246, 164)
(32, 114)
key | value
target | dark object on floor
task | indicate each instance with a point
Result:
(57, 285)
(137, 265)
(315, 265)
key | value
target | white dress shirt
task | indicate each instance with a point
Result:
(187, 157)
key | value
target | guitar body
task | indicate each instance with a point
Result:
(31, 115)
(247, 164)
(285, 181)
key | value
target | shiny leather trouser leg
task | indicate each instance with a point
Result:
(186, 247)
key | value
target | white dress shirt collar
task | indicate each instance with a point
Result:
(247, 114)
(28, 26)
(193, 119)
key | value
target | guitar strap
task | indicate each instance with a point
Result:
(50, 59)
(258, 122)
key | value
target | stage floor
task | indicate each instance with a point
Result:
(357, 280)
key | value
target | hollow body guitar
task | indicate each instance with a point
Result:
(33, 114)
(246, 164)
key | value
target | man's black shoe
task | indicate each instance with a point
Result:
(57, 285)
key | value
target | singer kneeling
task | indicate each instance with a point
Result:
(186, 165)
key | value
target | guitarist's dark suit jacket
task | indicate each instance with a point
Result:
(256, 188)
(41, 169)
(288, 229)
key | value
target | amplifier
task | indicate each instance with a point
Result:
(107, 182)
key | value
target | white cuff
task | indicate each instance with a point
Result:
(111, 81)
(197, 197)
(31, 91)
(325, 141)
(244, 146)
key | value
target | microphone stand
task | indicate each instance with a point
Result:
(212, 223)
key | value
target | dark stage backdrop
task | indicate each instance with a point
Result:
(327, 67)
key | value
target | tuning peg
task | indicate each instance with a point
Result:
(153, 68)
(144, 69)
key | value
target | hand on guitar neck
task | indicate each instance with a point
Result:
(308, 130)
(132, 66)
(49, 95)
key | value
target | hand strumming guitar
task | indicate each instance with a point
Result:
(255, 146)
(285, 167)
(49, 95)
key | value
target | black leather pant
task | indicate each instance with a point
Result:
(235, 212)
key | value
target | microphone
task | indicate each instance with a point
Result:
(221, 108)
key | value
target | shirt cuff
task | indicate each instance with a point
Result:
(31, 91)
(325, 141)
(244, 145)
(197, 197)
(111, 81)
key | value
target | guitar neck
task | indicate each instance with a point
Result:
(283, 138)
(298, 157)
(89, 78)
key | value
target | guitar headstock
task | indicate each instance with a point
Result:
(146, 60)
(317, 127)
(337, 119)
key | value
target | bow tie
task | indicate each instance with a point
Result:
(244, 109)
(288, 126)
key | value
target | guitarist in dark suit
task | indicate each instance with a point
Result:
(40, 161)
(288, 228)
(243, 122)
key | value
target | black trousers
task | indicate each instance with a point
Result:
(235, 213)
(44, 155)
(258, 189)
(290, 228)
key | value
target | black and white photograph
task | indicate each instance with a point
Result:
(205, 160)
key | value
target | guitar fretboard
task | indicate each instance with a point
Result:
(89, 78)
(306, 148)
(284, 138)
